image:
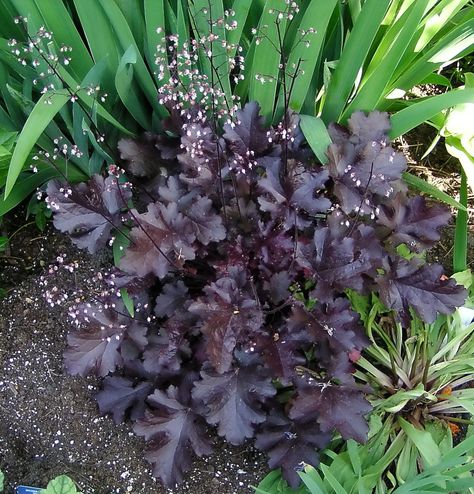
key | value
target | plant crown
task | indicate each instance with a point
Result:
(241, 250)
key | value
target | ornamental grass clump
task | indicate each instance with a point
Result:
(241, 251)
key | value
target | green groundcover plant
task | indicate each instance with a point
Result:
(59, 485)
(420, 378)
(360, 468)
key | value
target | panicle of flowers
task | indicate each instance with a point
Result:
(184, 86)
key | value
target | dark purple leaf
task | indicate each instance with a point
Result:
(172, 298)
(208, 226)
(335, 407)
(421, 287)
(338, 263)
(365, 170)
(173, 433)
(88, 212)
(142, 156)
(332, 326)
(203, 157)
(120, 394)
(164, 352)
(284, 199)
(289, 444)
(230, 316)
(94, 346)
(278, 286)
(249, 133)
(282, 352)
(234, 400)
(413, 223)
(248, 139)
(162, 240)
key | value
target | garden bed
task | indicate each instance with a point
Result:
(49, 421)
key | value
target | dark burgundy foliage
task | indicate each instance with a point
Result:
(290, 444)
(88, 212)
(174, 431)
(119, 395)
(233, 400)
(338, 407)
(238, 268)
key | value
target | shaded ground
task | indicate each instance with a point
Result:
(49, 422)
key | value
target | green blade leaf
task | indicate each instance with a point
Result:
(317, 136)
(266, 52)
(423, 441)
(241, 9)
(423, 186)
(127, 301)
(57, 19)
(91, 102)
(355, 51)
(422, 111)
(43, 113)
(100, 37)
(126, 39)
(203, 12)
(377, 85)
(130, 95)
(461, 231)
(317, 16)
(154, 19)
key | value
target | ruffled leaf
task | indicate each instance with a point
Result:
(162, 240)
(88, 212)
(234, 399)
(173, 433)
(335, 407)
(408, 284)
(119, 395)
(94, 346)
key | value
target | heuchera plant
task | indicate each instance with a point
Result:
(242, 250)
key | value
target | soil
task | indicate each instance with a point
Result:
(49, 421)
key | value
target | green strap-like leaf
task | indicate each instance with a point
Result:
(423, 441)
(267, 59)
(461, 231)
(155, 20)
(42, 114)
(423, 186)
(375, 87)
(421, 111)
(126, 39)
(58, 20)
(355, 51)
(130, 95)
(317, 16)
(317, 136)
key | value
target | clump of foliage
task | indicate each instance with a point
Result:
(420, 375)
(242, 249)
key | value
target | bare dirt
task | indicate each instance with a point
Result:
(49, 421)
